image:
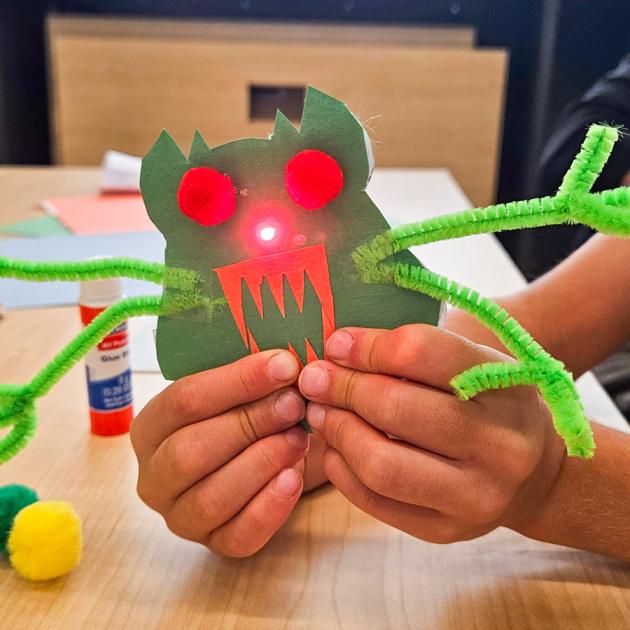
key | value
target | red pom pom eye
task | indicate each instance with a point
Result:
(313, 179)
(206, 196)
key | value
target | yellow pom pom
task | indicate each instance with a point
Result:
(46, 540)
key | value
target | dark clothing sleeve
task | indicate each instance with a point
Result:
(607, 101)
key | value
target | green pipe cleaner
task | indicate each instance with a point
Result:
(17, 402)
(607, 211)
(82, 270)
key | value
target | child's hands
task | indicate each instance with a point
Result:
(413, 455)
(219, 454)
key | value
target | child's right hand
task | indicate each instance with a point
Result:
(219, 452)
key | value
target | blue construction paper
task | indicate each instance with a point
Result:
(19, 294)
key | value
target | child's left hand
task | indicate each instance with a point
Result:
(403, 448)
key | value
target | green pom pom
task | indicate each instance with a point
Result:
(12, 499)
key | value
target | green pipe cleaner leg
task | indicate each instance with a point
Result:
(556, 386)
(82, 270)
(17, 402)
(590, 160)
(23, 420)
(481, 378)
(184, 280)
(608, 212)
(535, 366)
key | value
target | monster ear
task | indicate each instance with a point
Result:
(162, 170)
(328, 125)
(283, 130)
(199, 150)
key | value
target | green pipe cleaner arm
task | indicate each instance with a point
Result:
(184, 282)
(17, 402)
(82, 270)
(607, 211)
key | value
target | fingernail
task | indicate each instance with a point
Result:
(289, 407)
(288, 482)
(315, 415)
(297, 437)
(313, 380)
(283, 366)
(339, 344)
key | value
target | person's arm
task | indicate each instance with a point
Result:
(579, 311)
(589, 505)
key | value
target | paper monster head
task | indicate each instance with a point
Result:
(269, 226)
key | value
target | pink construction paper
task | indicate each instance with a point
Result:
(100, 214)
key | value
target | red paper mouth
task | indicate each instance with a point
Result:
(293, 264)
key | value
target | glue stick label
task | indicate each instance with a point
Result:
(109, 379)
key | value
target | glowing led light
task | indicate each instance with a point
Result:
(267, 232)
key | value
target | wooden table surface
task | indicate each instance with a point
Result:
(330, 567)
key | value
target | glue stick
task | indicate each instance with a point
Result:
(107, 365)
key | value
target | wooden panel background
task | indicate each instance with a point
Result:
(117, 83)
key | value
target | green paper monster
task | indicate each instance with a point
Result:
(274, 243)
(275, 274)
